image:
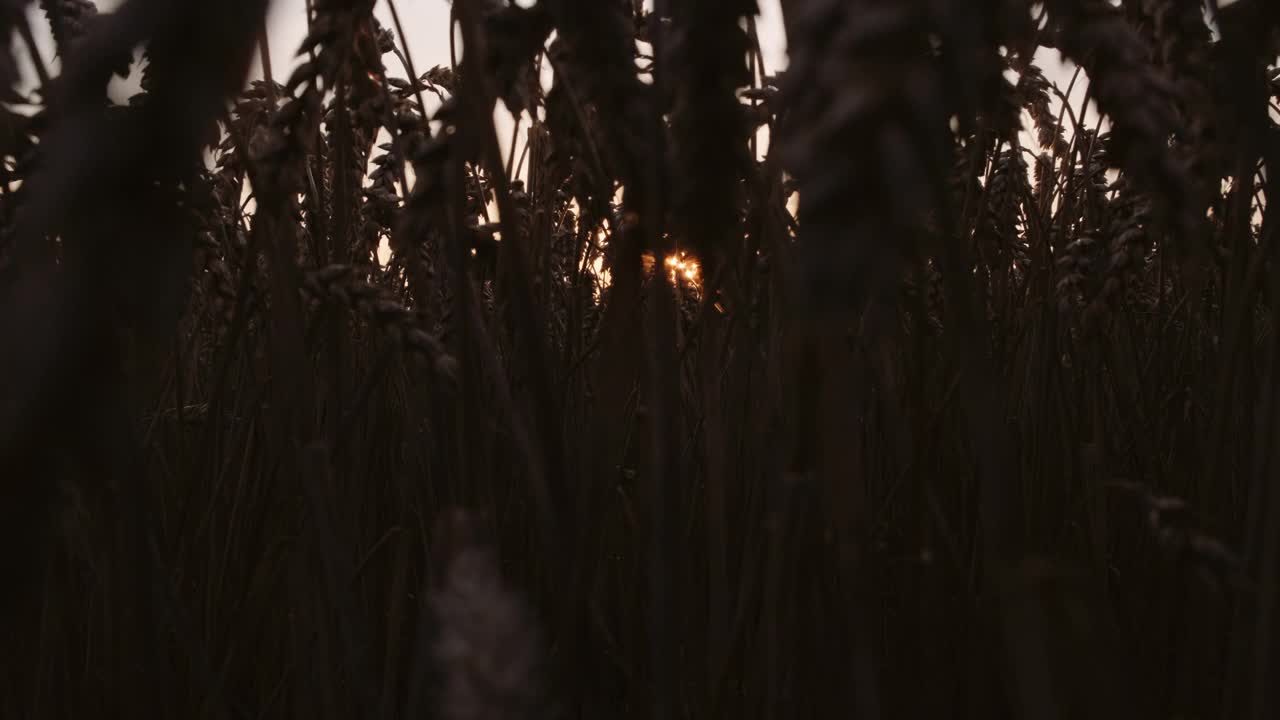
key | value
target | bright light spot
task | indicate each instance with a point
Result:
(683, 265)
(603, 277)
(682, 269)
(384, 252)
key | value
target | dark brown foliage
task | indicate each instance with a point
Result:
(315, 403)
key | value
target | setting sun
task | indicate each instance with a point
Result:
(681, 264)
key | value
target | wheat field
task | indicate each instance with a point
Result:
(912, 381)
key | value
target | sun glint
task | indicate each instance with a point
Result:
(681, 264)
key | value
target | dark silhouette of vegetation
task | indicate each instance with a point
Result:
(891, 385)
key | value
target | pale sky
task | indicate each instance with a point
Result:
(426, 25)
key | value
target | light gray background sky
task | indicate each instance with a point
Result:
(426, 26)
